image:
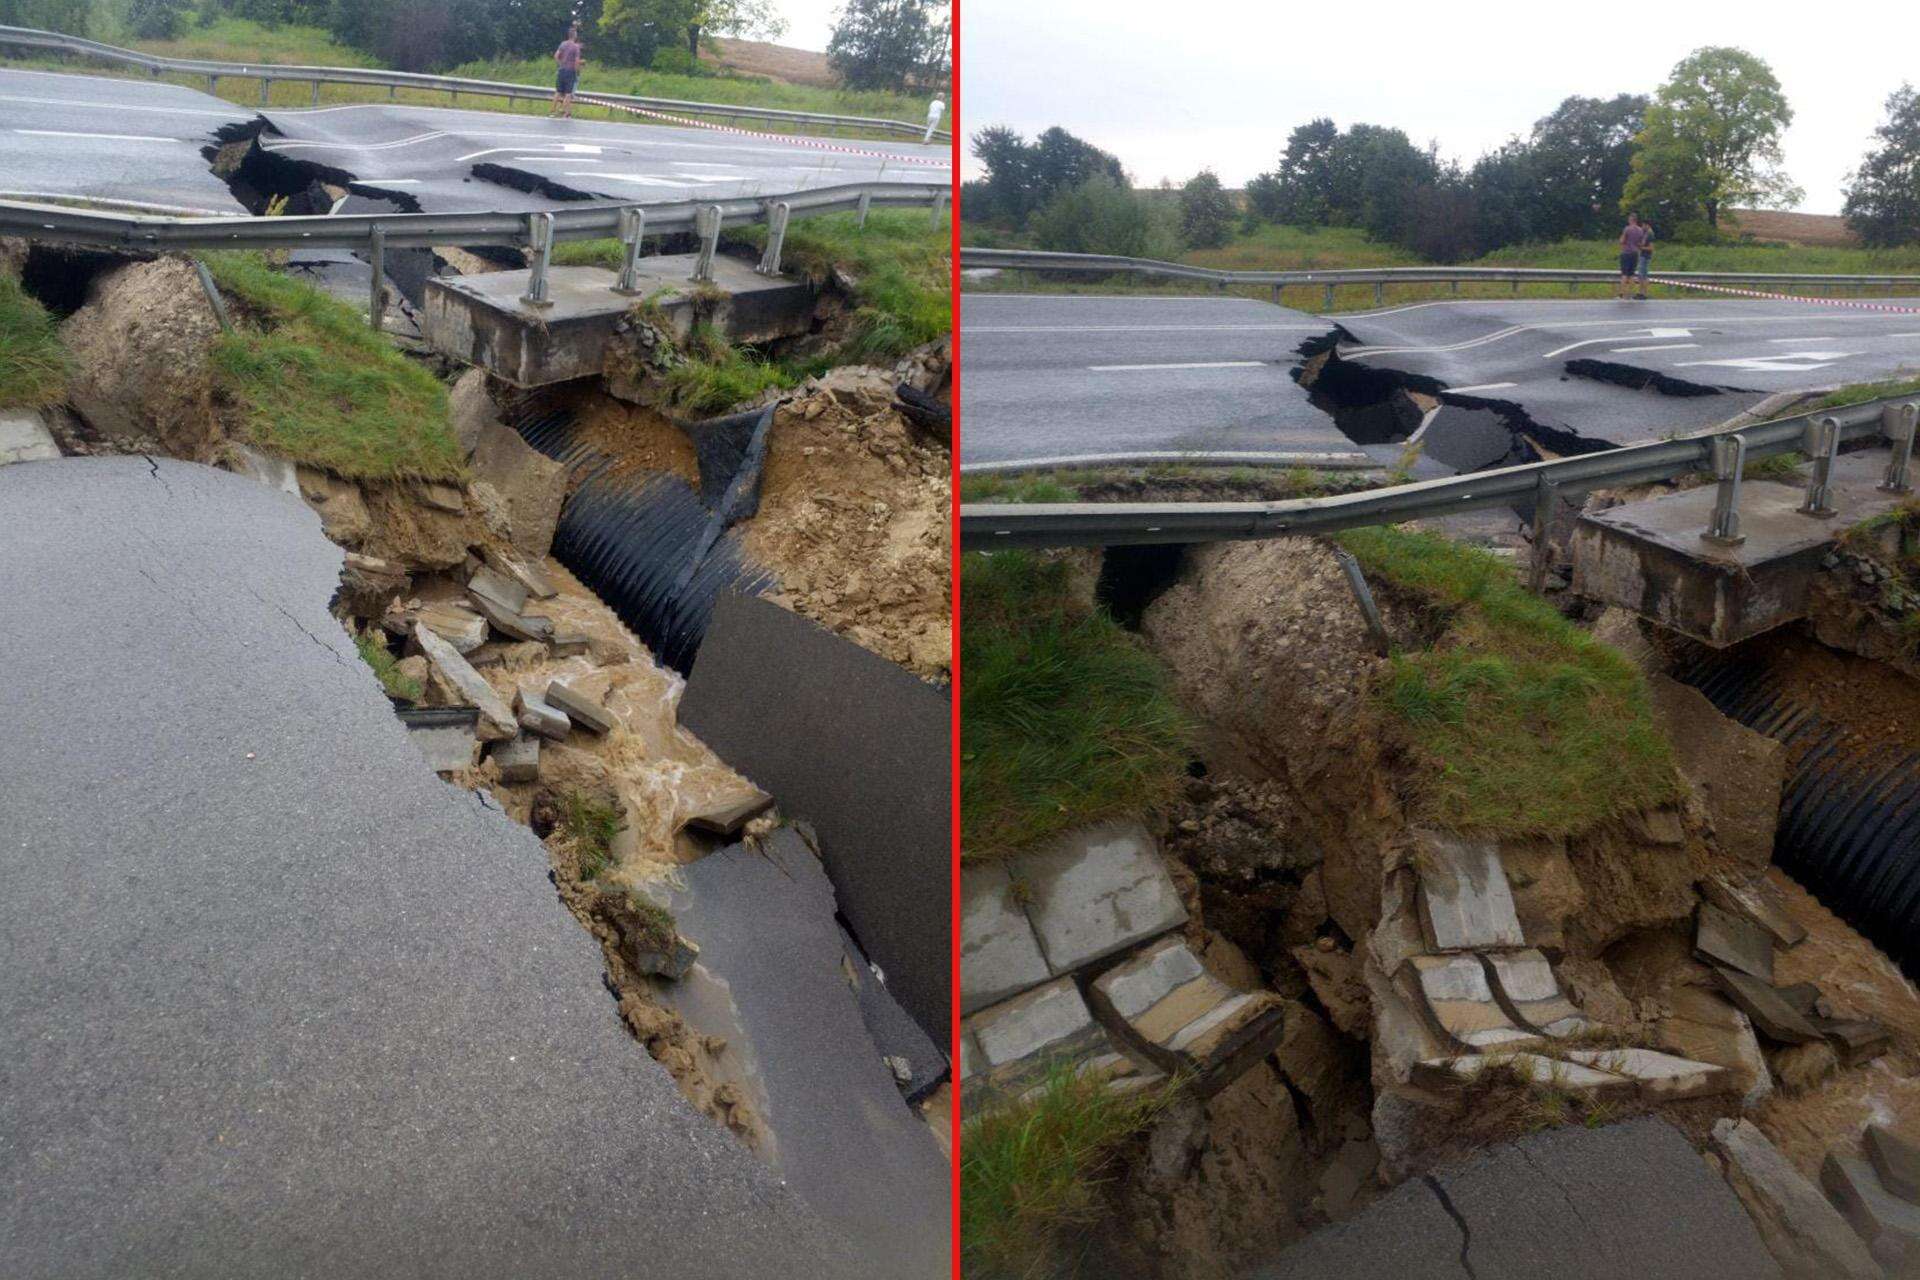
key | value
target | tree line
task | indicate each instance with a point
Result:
(1708, 140)
(876, 44)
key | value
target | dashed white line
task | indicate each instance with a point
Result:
(103, 137)
(1192, 364)
(1484, 386)
(1662, 346)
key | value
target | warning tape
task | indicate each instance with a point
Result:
(788, 138)
(1786, 297)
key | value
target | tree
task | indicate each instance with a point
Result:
(889, 44)
(1103, 216)
(1883, 196)
(157, 19)
(47, 15)
(1712, 139)
(1206, 215)
(1303, 183)
(1506, 205)
(632, 31)
(1580, 157)
(748, 19)
(1020, 176)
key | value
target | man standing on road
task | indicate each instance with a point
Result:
(1633, 239)
(567, 72)
(1646, 261)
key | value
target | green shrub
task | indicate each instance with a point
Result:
(34, 365)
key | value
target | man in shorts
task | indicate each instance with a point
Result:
(567, 72)
(1646, 261)
(1633, 238)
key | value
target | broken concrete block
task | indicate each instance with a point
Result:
(999, 952)
(1022, 1039)
(570, 644)
(726, 813)
(1857, 1041)
(517, 625)
(25, 438)
(1454, 993)
(1530, 1068)
(1403, 1034)
(497, 720)
(1660, 1077)
(1524, 984)
(497, 589)
(585, 711)
(536, 716)
(1095, 892)
(445, 735)
(460, 627)
(1896, 1159)
(1800, 1225)
(498, 654)
(528, 573)
(1182, 1018)
(1707, 1027)
(1889, 1225)
(1773, 1017)
(1753, 899)
(518, 758)
(1465, 901)
(1727, 940)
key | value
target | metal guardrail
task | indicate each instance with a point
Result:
(1380, 277)
(393, 81)
(993, 526)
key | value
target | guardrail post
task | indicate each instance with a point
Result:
(1729, 455)
(1545, 492)
(213, 84)
(1455, 287)
(1516, 287)
(1822, 443)
(1379, 293)
(777, 215)
(1276, 295)
(316, 93)
(1897, 422)
(707, 223)
(1362, 596)
(393, 93)
(939, 207)
(1326, 299)
(540, 240)
(866, 203)
(266, 90)
(633, 228)
(377, 259)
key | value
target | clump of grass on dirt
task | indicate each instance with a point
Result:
(590, 824)
(374, 652)
(1030, 1173)
(1784, 467)
(897, 266)
(716, 375)
(1861, 392)
(1065, 718)
(308, 380)
(34, 366)
(1520, 723)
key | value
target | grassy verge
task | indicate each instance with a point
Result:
(1863, 391)
(716, 375)
(306, 379)
(1065, 718)
(897, 265)
(1030, 1174)
(749, 91)
(1521, 723)
(34, 366)
(1099, 484)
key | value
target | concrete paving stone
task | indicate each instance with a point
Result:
(535, 715)
(459, 626)
(518, 758)
(858, 747)
(445, 497)
(445, 736)
(1147, 977)
(1661, 1077)
(527, 573)
(1097, 891)
(279, 1001)
(1460, 1003)
(1773, 1017)
(1724, 939)
(1754, 900)
(1857, 1041)
(518, 626)
(1706, 1027)
(972, 1063)
(1045, 1021)
(497, 719)
(498, 589)
(765, 920)
(1889, 1224)
(1523, 982)
(584, 711)
(1799, 1222)
(25, 438)
(1896, 1160)
(570, 644)
(1536, 1070)
(894, 1032)
(999, 952)
(726, 814)
(1465, 901)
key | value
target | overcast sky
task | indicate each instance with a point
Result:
(809, 22)
(1172, 88)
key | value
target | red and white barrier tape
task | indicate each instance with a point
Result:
(1786, 297)
(788, 138)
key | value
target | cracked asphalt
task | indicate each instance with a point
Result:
(277, 1000)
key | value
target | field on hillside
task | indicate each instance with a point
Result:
(1826, 229)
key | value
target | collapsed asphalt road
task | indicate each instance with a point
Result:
(1065, 375)
(277, 1000)
(139, 141)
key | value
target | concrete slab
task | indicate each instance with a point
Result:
(25, 438)
(1459, 1003)
(1773, 1017)
(858, 747)
(483, 320)
(1857, 1041)
(1020, 1041)
(1896, 1160)
(1752, 899)
(1648, 556)
(518, 758)
(1175, 1014)
(1465, 901)
(1889, 1224)
(253, 942)
(586, 711)
(497, 720)
(1536, 1070)
(1523, 983)
(516, 626)
(1661, 1077)
(536, 715)
(1799, 1223)
(445, 735)
(999, 952)
(459, 626)
(1096, 891)
(1706, 1027)
(498, 589)
(1727, 940)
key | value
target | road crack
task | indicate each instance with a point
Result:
(1466, 1232)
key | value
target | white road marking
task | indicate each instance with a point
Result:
(1195, 364)
(1484, 386)
(235, 114)
(1825, 337)
(1785, 362)
(1904, 335)
(1588, 342)
(1664, 346)
(565, 148)
(973, 329)
(103, 137)
(1363, 352)
(647, 179)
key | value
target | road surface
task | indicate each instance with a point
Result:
(136, 140)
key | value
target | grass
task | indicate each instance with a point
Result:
(230, 39)
(34, 366)
(1081, 484)
(1065, 718)
(1031, 1172)
(1783, 467)
(590, 824)
(305, 378)
(1519, 722)
(1863, 391)
(716, 375)
(374, 652)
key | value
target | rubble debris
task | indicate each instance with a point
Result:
(1530, 1068)
(1183, 1018)
(1707, 1028)
(488, 586)
(1524, 984)
(1856, 1041)
(1465, 901)
(1773, 1017)
(445, 735)
(536, 716)
(587, 712)
(443, 497)
(1733, 943)
(460, 627)
(1454, 993)
(1660, 1077)
(25, 438)
(1801, 1227)
(518, 758)
(569, 644)
(496, 654)
(1896, 1160)
(726, 815)
(497, 720)
(1096, 891)
(1889, 1224)
(1750, 898)
(528, 573)
(527, 627)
